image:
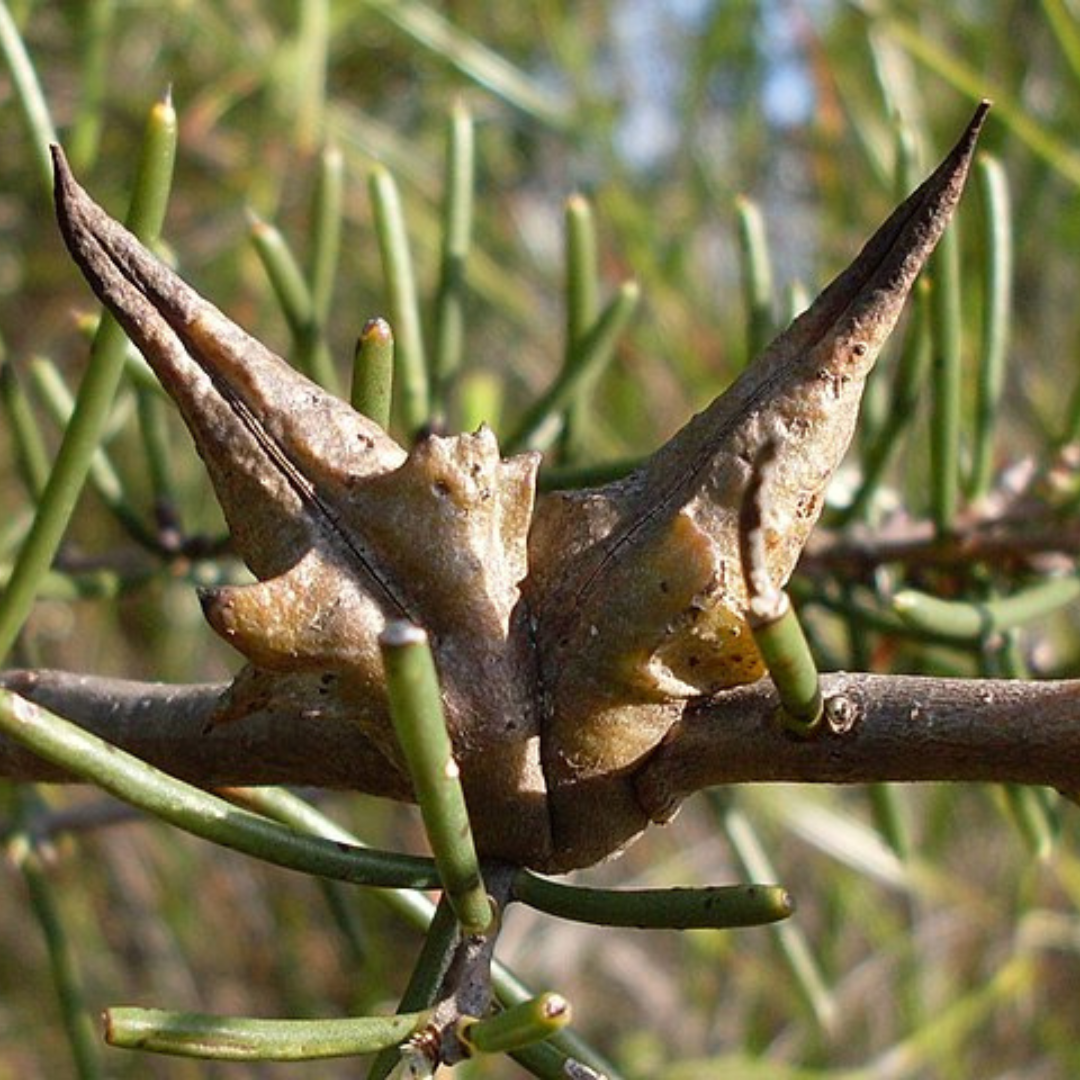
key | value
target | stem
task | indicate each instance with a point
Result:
(483, 65)
(49, 388)
(99, 385)
(971, 621)
(326, 215)
(582, 310)
(945, 411)
(772, 620)
(31, 456)
(28, 95)
(790, 938)
(416, 710)
(456, 236)
(296, 302)
(373, 372)
(521, 1025)
(714, 907)
(196, 811)
(404, 306)
(997, 310)
(43, 901)
(235, 1038)
(757, 276)
(98, 21)
(440, 941)
(595, 351)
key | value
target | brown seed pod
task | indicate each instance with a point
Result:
(569, 632)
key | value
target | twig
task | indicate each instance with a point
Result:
(902, 728)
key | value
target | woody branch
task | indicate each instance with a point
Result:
(903, 728)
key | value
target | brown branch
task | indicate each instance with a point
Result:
(169, 726)
(904, 728)
(1032, 538)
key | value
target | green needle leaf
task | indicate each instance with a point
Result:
(235, 1038)
(972, 621)
(416, 710)
(125, 776)
(714, 907)
(404, 306)
(73, 461)
(373, 372)
(521, 1025)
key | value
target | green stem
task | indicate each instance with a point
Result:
(96, 394)
(757, 276)
(373, 372)
(789, 936)
(1030, 808)
(412, 380)
(550, 1062)
(78, 1024)
(786, 652)
(997, 310)
(772, 620)
(456, 236)
(595, 351)
(31, 456)
(416, 710)
(427, 976)
(582, 311)
(28, 95)
(1064, 32)
(491, 70)
(715, 907)
(521, 1025)
(479, 400)
(582, 272)
(946, 404)
(972, 621)
(295, 299)
(154, 428)
(313, 41)
(85, 584)
(49, 388)
(326, 215)
(556, 478)
(235, 1038)
(125, 776)
(97, 20)
(417, 910)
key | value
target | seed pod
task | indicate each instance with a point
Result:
(568, 636)
(636, 587)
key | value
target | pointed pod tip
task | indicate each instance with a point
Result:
(65, 188)
(61, 169)
(953, 169)
(977, 120)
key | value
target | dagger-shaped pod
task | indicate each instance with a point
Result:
(636, 588)
(568, 640)
(345, 531)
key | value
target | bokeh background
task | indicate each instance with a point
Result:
(957, 960)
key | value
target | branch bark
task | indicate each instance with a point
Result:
(903, 728)
(171, 727)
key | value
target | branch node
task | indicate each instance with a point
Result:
(842, 713)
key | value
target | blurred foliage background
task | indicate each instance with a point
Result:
(958, 959)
